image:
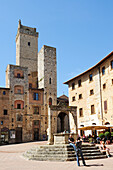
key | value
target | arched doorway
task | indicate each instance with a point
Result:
(50, 101)
(63, 122)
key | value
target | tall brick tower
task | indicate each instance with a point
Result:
(47, 76)
(27, 47)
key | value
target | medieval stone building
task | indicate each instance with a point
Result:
(92, 93)
(31, 88)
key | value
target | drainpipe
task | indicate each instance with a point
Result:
(100, 95)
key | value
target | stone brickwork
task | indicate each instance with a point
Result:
(4, 113)
(32, 85)
(28, 100)
(27, 47)
(47, 73)
(47, 78)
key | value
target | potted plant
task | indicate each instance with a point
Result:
(101, 136)
(107, 135)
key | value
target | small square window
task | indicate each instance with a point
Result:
(81, 112)
(104, 85)
(18, 75)
(112, 81)
(4, 92)
(105, 106)
(5, 112)
(36, 110)
(112, 64)
(73, 86)
(91, 92)
(73, 98)
(19, 91)
(79, 83)
(18, 106)
(103, 70)
(80, 96)
(36, 97)
(28, 43)
(92, 109)
(90, 77)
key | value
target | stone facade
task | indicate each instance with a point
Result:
(92, 93)
(25, 99)
(27, 47)
(31, 88)
(4, 114)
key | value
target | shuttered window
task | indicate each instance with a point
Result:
(92, 109)
(105, 106)
(81, 112)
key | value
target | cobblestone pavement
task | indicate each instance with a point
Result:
(11, 159)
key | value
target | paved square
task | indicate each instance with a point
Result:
(11, 159)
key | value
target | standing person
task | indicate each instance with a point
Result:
(78, 145)
(72, 142)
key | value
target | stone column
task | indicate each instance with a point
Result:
(50, 135)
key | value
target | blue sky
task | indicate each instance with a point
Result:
(81, 31)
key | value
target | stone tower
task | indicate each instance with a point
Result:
(47, 76)
(27, 47)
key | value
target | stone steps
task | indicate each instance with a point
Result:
(61, 153)
(64, 158)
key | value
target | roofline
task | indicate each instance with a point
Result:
(5, 88)
(100, 62)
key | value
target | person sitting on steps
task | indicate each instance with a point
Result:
(103, 147)
(72, 142)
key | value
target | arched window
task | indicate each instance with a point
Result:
(50, 101)
(107, 123)
(93, 123)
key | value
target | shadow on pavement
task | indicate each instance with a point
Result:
(94, 165)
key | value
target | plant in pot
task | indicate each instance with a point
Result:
(111, 133)
(111, 136)
(101, 136)
(107, 136)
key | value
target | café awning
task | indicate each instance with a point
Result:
(95, 127)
